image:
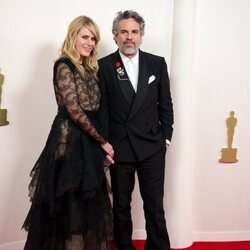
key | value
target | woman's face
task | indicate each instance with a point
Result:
(85, 42)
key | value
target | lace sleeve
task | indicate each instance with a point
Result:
(66, 88)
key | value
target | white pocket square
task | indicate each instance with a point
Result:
(151, 79)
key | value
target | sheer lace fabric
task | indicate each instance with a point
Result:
(77, 95)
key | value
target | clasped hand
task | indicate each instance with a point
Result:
(107, 147)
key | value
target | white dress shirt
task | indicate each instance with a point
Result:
(132, 68)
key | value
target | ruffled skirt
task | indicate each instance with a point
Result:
(70, 207)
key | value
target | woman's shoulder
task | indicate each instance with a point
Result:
(64, 60)
(58, 63)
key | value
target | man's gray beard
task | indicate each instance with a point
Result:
(130, 51)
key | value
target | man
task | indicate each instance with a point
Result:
(138, 115)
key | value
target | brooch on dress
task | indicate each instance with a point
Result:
(120, 71)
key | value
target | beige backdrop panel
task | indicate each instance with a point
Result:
(31, 33)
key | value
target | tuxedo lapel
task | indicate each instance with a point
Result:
(142, 86)
(123, 79)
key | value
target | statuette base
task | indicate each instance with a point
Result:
(3, 117)
(228, 155)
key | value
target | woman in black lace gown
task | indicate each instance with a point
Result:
(70, 207)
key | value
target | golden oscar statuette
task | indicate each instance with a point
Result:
(228, 155)
(3, 112)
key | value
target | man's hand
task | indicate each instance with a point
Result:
(108, 161)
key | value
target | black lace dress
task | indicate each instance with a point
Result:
(70, 207)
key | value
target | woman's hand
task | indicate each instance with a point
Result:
(107, 147)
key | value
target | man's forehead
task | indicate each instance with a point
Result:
(128, 22)
(129, 28)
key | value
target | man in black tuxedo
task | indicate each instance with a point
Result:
(138, 117)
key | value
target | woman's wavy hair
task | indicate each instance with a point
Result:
(69, 49)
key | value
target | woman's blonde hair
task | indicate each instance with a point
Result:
(68, 49)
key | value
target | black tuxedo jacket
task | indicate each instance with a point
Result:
(136, 124)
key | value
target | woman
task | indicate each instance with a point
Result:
(70, 205)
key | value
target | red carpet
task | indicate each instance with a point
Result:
(239, 245)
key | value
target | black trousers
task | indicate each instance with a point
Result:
(150, 173)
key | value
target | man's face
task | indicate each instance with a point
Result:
(128, 37)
